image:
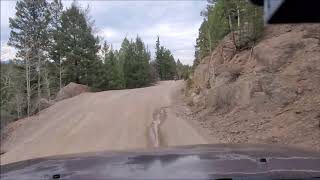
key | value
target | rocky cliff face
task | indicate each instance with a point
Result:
(267, 94)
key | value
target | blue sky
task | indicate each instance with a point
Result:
(176, 22)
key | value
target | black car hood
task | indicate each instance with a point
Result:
(184, 162)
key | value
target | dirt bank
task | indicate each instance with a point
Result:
(269, 93)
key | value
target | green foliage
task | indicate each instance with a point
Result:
(113, 74)
(56, 10)
(238, 17)
(165, 63)
(79, 46)
(128, 68)
(136, 63)
(55, 50)
(183, 71)
(153, 73)
(12, 92)
(30, 36)
(29, 26)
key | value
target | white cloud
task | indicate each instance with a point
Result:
(7, 10)
(7, 52)
(108, 33)
(176, 22)
(179, 38)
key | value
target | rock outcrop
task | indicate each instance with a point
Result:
(267, 94)
(71, 90)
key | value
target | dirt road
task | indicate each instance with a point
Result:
(110, 120)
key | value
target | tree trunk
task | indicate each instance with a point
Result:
(39, 79)
(231, 30)
(28, 84)
(210, 67)
(47, 80)
(18, 105)
(60, 74)
(239, 24)
(210, 40)
(76, 71)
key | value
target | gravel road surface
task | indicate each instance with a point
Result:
(110, 120)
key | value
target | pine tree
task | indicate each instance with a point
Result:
(142, 60)
(80, 47)
(113, 73)
(56, 51)
(136, 63)
(29, 34)
(158, 58)
(183, 71)
(179, 69)
(165, 63)
(122, 52)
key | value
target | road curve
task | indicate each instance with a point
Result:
(109, 120)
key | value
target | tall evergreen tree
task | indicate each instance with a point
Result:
(29, 35)
(183, 71)
(136, 63)
(165, 63)
(123, 50)
(80, 47)
(56, 51)
(179, 68)
(113, 73)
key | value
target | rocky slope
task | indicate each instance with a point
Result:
(267, 94)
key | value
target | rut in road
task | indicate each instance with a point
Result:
(159, 116)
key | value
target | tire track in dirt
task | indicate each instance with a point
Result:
(158, 117)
